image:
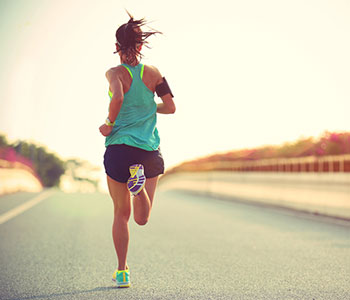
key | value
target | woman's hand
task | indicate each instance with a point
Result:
(106, 130)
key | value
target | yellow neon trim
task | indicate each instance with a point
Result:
(110, 94)
(142, 68)
(108, 123)
(129, 71)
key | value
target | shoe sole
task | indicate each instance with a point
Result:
(123, 286)
(136, 183)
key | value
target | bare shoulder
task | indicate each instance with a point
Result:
(114, 72)
(154, 73)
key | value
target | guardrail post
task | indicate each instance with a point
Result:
(320, 165)
(330, 164)
(302, 166)
(341, 164)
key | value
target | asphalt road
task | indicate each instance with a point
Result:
(194, 247)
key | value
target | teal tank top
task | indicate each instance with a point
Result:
(136, 122)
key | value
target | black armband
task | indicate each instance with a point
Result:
(163, 89)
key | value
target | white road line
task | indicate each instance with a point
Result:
(23, 207)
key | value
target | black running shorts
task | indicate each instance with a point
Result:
(118, 159)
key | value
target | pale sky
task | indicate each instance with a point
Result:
(244, 73)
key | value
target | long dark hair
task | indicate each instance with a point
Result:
(129, 36)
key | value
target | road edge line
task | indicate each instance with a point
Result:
(25, 206)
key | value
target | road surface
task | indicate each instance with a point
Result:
(194, 247)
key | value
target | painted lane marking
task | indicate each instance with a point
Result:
(23, 207)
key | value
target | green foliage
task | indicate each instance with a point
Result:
(3, 141)
(82, 171)
(48, 166)
(302, 147)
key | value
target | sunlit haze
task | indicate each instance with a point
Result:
(244, 73)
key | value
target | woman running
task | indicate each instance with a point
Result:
(132, 159)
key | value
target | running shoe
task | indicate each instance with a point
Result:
(122, 278)
(137, 180)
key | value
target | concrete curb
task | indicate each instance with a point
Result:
(325, 194)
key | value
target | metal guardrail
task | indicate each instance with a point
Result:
(332, 163)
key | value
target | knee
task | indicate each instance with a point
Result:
(122, 214)
(141, 221)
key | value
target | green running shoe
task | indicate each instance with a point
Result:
(122, 278)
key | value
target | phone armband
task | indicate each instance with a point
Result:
(163, 89)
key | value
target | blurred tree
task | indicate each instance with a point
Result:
(80, 176)
(302, 147)
(47, 165)
(3, 141)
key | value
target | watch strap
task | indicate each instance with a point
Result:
(109, 123)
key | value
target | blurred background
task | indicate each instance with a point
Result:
(248, 77)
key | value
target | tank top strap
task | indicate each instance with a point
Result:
(128, 69)
(134, 71)
(142, 69)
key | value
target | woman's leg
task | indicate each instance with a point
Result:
(144, 200)
(120, 230)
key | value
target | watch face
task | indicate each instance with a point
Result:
(108, 122)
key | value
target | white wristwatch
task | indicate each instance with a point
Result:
(109, 123)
